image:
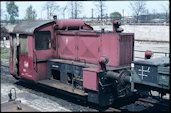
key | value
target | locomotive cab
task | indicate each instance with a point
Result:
(30, 44)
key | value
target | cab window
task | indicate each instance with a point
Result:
(42, 40)
(23, 44)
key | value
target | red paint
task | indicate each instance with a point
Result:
(91, 46)
(66, 23)
(10, 59)
(125, 49)
(109, 48)
(148, 54)
(67, 47)
(40, 71)
(90, 78)
(26, 67)
(30, 46)
(88, 48)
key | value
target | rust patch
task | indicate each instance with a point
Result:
(74, 62)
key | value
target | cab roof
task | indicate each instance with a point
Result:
(28, 27)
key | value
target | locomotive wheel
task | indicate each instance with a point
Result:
(124, 88)
(122, 75)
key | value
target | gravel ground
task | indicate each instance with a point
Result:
(35, 99)
(40, 101)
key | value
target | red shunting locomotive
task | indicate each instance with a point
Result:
(70, 56)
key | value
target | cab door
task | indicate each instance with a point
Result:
(25, 57)
(14, 55)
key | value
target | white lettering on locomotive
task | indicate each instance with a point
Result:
(142, 72)
(26, 64)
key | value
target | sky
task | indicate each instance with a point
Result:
(110, 6)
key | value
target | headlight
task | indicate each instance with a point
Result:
(132, 65)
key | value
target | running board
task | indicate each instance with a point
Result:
(63, 88)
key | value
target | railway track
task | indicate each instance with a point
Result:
(4, 65)
(134, 103)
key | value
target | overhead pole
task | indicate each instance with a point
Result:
(75, 10)
(92, 14)
(123, 15)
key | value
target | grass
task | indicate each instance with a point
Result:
(5, 53)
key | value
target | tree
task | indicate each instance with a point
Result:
(12, 10)
(115, 15)
(4, 32)
(100, 8)
(1, 13)
(166, 11)
(137, 7)
(30, 14)
(51, 8)
(92, 14)
(78, 7)
(64, 8)
(154, 13)
(71, 8)
(74, 8)
(145, 17)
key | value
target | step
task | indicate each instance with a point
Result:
(63, 88)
